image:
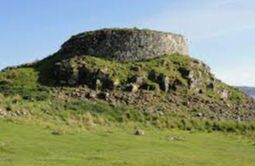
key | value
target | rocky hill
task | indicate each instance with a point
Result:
(145, 69)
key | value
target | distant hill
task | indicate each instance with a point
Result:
(248, 90)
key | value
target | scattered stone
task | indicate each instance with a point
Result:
(185, 72)
(103, 95)
(116, 83)
(92, 95)
(151, 87)
(164, 82)
(98, 84)
(57, 132)
(139, 132)
(138, 80)
(133, 88)
(200, 114)
(2, 112)
(175, 138)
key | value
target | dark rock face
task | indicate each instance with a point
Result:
(126, 44)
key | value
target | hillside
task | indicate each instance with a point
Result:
(96, 86)
(173, 82)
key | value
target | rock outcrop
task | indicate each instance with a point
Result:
(142, 68)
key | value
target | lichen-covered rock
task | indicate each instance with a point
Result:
(126, 44)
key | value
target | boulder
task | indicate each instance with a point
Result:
(150, 86)
(98, 84)
(92, 95)
(133, 88)
(138, 80)
(185, 72)
(110, 84)
(139, 132)
(175, 138)
(103, 95)
(116, 83)
(164, 82)
(161, 79)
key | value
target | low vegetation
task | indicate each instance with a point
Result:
(196, 120)
(29, 145)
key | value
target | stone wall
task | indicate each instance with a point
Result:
(126, 44)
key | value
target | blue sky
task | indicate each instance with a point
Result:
(220, 32)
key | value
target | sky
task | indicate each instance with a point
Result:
(220, 32)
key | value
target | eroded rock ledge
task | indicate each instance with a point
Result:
(126, 44)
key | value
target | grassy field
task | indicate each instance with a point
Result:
(31, 145)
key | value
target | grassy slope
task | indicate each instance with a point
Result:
(27, 145)
(109, 143)
(24, 80)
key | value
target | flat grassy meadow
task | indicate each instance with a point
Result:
(32, 145)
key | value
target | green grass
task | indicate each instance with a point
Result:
(22, 81)
(29, 145)
(47, 130)
(85, 113)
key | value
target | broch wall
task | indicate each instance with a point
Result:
(126, 44)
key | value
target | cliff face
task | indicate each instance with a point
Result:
(126, 44)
